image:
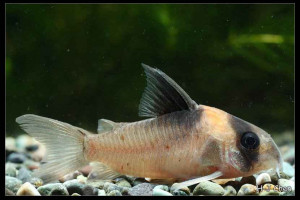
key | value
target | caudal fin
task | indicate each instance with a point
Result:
(64, 145)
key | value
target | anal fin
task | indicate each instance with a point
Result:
(102, 172)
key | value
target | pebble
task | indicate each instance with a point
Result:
(93, 176)
(122, 183)
(9, 192)
(287, 193)
(16, 158)
(179, 193)
(14, 165)
(53, 189)
(32, 147)
(37, 182)
(110, 187)
(288, 169)
(86, 170)
(269, 186)
(12, 183)
(263, 178)
(162, 187)
(101, 193)
(247, 189)
(223, 181)
(138, 181)
(184, 191)
(286, 184)
(130, 179)
(125, 191)
(269, 193)
(143, 189)
(81, 179)
(235, 184)
(10, 144)
(288, 153)
(75, 194)
(159, 192)
(70, 176)
(114, 193)
(229, 191)
(24, 140)
(7, 153)
(208, 188)
(30, 164)
(24, 175)
(248, 180)
(96, 183)
(39, 154)
(89, 191)
(28, 190)
(275, 178)
(238, 179)
(74, 186)
(10, 170)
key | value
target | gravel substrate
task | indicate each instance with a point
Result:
(23, 155)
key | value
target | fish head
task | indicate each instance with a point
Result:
(251, 149)
(245, 149)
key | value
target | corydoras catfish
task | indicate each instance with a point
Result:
(180, 141)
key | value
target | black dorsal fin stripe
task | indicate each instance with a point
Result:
(162, 95)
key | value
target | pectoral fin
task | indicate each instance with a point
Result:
(198, 180)
(210, 153)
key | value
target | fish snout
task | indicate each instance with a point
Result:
(269, 158)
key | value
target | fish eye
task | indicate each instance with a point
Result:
(250, 140)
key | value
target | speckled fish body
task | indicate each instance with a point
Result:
(179, 145)
(161, 147)
(181, 140)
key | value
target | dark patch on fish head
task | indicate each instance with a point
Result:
(254, 149)
(192, 120)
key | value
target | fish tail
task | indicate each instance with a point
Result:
(64, 145)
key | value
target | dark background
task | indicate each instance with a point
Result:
(78, 63)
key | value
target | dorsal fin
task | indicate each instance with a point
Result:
(105, 125)
(162, 95)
